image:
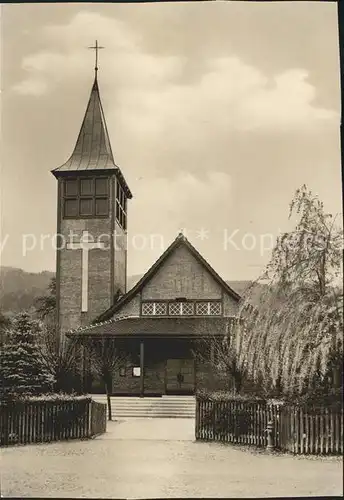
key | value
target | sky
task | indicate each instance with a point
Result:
(217, 112)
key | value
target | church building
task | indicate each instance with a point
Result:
(159, 321)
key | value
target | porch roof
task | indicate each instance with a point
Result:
(157, 327)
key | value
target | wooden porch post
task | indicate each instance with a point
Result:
(212, 352)
(142, 380)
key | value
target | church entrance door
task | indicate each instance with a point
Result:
(180, 376)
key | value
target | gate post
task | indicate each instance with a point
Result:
(269, 430)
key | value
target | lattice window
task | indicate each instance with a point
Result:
(215, 308)
(154, 308)
(187, 308)
(202, 308)
(86, 197)
(160, 308)
(174, 308)
(181, 308)
(208, 308)
(147, 308)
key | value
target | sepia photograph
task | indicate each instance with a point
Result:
(171, 250)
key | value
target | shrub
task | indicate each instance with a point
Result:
(206, 395)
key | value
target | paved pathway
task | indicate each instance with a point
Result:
(157, 458)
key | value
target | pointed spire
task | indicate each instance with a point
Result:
(92, 150)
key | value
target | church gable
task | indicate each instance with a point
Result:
(181, 275)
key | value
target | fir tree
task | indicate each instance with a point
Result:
(60, 358)
(21, 369)
(5, 323)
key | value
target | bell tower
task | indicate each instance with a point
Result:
(91, 256)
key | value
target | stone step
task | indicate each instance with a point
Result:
(146, 415)
(158, 415)
(161, 407)
(137, 407)
(153, 408)
(155, 398)
(144, 405)
(164, 398)
(148, 401)
(147, 411)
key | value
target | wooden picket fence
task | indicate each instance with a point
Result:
(98, 418)
(25, 422)
(294, 429)
(231, 422)
(317, 431)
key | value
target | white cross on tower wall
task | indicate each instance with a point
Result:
(85, 245)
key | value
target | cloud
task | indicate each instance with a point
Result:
(151, 96)
(184, 201)
(68, 58)
(184, 194)
(31, 86)
(287, 103)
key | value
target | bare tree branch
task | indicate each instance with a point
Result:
(106, 357)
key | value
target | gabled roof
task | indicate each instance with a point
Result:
(92, 151)
(180, 240)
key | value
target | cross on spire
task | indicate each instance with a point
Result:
(96, 47)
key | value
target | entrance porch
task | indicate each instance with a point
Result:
(157, 355)
(156, 367)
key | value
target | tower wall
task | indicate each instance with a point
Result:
(106, 266)
(120, 260)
